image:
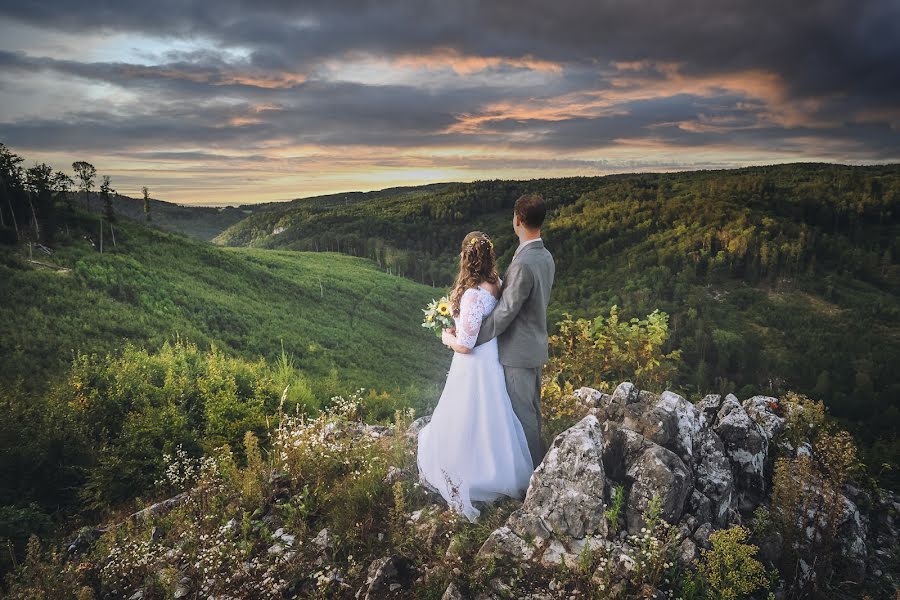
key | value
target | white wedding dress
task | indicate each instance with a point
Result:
(474, 448)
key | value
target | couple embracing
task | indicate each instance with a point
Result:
(484, 437)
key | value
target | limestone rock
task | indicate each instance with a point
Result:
(713, 477)
(759, 408)
(687, 423)
(566, 491)
(656, 472)
(746, 445)
(504, 542)
(657, 425)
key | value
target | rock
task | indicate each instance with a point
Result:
(393, 475)
(658, 426)
(709, 406)
(700, 506)
(647, 397)
(183, 589)
(84, 540)
(621, 447)
(160, 508)
(452, 593)
(589, 396)
(412, 432)
(701, 536)
(625, 393)
(852, 545)
(138, 595)
(503, 542)
(760, 409)
(323, 539)
(656, 472)
(386, 572)
(712, 475)
(746, 445)
(687, 552)
(770, 545)
(687, 423)
(565, 495)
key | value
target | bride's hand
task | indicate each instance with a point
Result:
(448, 338)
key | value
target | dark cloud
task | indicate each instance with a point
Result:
(811, 77)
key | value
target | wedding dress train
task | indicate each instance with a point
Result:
(474, 448)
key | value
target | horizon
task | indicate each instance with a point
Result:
(217, 105)
(429, 183)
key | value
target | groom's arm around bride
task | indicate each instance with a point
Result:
(519, 321)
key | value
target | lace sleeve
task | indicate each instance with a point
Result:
(471, 312)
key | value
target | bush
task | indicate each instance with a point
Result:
(729, 568)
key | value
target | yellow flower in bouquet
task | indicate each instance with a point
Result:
(437, 316)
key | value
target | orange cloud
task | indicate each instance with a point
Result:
(645, 80)
(461, 64)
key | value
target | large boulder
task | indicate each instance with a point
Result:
(657, 425)
(564, 502)
(565, 494)
(712, 475)
(687, 422)
(761, 410)
(656, 472)
(747, 448)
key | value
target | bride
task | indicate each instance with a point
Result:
(474, 448)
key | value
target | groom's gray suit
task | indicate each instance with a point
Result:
(519, 322)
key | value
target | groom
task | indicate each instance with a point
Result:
(519, 321)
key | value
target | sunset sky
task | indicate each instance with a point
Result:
(228, 102)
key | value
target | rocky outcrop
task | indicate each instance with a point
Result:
(708, 464)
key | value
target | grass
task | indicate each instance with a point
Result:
(340, 317)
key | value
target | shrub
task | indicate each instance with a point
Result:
(729, 568)
(602, 350)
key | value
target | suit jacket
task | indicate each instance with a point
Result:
(519, 321)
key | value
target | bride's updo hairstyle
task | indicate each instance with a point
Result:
(477, 264)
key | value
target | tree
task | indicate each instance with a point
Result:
(146, 191)
(39, 180)
(62, 185)
(106, 192)
(10, 179)
(85, 172)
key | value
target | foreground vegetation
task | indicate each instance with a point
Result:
(301, 506)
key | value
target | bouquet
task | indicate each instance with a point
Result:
(437, 316)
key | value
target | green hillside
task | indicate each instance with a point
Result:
(775, 278)
(333, 313)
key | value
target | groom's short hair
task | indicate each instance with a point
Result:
(531, 210)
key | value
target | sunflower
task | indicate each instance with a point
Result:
(444, 308)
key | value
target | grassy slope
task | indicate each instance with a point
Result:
(332, 312)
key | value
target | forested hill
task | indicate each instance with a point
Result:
(774, 277)
(201, 222)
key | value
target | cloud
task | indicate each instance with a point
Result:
(553, 87)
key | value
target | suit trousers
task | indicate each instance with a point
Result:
(524, 388)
